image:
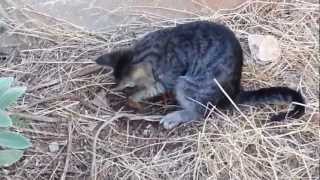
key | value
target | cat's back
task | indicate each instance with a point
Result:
(189, 33)
(186, 31)
(198, 49)
(201, 28)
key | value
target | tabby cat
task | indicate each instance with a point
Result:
(186, 60)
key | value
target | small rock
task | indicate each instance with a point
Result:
(264, 48)
(54, 147)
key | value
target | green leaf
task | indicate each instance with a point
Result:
(5, 84)
(13, 140)
(5, 120)
(9, 156)
(10, 96)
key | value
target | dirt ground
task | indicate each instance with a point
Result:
(103, 14)
(80, 129)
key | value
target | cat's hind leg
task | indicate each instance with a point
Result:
(186, 95)
(193, 95)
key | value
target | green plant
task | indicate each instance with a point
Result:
(12, 144)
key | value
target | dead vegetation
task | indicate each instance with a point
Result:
(69, 103)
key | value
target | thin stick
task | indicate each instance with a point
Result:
(93, 172)
(85, 71)
(69, 149)
(34, 117)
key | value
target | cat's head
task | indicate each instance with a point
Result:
(125, 72)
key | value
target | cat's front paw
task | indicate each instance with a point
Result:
(172, 120)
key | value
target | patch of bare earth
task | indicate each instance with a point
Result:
(70, 105)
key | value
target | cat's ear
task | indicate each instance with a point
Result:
(116, 59)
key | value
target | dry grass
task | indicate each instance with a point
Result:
(101, 140)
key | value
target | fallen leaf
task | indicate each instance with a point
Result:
(100, 99)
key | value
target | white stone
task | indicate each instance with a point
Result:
(264, 48)
(54, 147)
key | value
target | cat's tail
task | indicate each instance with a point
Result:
(274, 95)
